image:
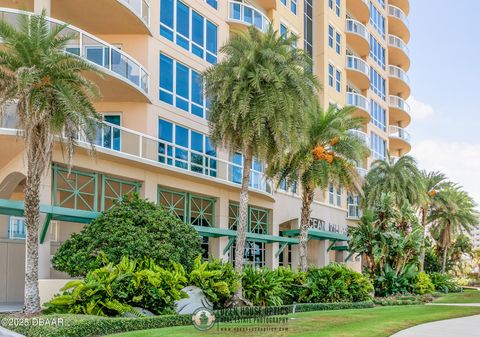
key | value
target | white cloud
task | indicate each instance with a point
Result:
(459, 161)
(419, 110)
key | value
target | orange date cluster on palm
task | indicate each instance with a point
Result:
(319, 153)
(432, 193)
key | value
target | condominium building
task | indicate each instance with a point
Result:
(155, 138)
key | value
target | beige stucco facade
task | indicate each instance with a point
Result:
(132, 154)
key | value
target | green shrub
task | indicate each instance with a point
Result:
(116, 289)
(403, 300)
(444, 283)
(424, 285)
(336, 283)
(391, 282)
(262, 286)
(135, 228)
(217, 279)
(293, 283)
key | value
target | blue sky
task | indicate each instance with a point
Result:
(445, 55)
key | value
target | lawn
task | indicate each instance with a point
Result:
(375, 322)
(468, 296)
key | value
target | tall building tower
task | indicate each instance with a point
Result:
(154, 139)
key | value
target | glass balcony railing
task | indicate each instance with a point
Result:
(94, 50)
(399, 73)
(361, 135)
(395, 41)
(358, 101)
(399, 103)
(398, 132)
(248, 15)
(356, 27)
(356, 63)
(398, 13)
(141, 8)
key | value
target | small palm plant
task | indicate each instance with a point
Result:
(327, 156)
(53, 101)
(258, 95)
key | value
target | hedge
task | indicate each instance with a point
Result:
(88, 326)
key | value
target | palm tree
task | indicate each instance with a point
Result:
(433, 182)
(53, 100)
(258, 96)
(401, 177)
(327, 156)
(453, 214)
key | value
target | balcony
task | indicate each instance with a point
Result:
(241, 16)
(399, 111)
(398, 52)
(358, 72)
(404, 5)
(399, 140)
(105, 17)
(361, 104)
(399, 82)
(360, 9)
(398, 23)
(361, 135)
(125, 79)
(357, 37)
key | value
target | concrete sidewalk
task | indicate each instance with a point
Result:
(464, 327)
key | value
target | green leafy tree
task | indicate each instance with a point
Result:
(453, 213)
(433, 182)
(53, 101)
(328, 155)
(135, 228)
(258, 93)
(400, 177)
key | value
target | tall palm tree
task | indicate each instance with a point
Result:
(327, 156)
(433, 182)
(401, 177)
(52, 99)
(453, 214)
(258, 96)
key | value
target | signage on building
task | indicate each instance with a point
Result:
(330, 227)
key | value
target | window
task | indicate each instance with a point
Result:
(337, 7)
(330, 36)
(283, 30)
(108, 135)
(293, 6)
(331, 194)
(257, 180)
(308, 27)
(189, 29)
(182, 87)
(338, 81)
(330, 75)
(16, 228)
(338, 43)
(254, 252)
(378, 147)
(113, 190)
(382, 3)
(284, 2)
(377, 20)
(377, 52)
(339, 197)
(377, 83)
(213, 3)
(286, 186)
(378, 113)
(186, 149)
(330, 4)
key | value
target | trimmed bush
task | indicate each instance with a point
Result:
(403, 300)
(135, 228)
(116, 289)
(423, 284)
(336, 283)
(217, 279)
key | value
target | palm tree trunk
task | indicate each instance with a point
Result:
(307, 199)
(32, 219)
(444, 263)
(422, 248)
(242, 224)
